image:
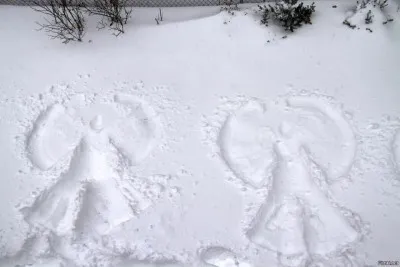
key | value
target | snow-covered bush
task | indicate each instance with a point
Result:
(367, 12)
(291, 14)
(64, 19)
(114, 14)
(368, 18)
(230, 6)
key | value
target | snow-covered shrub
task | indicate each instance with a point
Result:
(368, 12)
(291, 14)
(230, 6)
(114, 14)
(64, 19)
(368, 18)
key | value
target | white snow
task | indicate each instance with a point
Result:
(208, 140)
(344, 148)
(246, 144)
(296, 219)
(396, 149)
(51, 138)
(140, 129)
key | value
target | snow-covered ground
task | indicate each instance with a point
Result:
(208, 140)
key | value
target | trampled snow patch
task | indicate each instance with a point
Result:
(209, 257)
(222, 257)
(47, 263)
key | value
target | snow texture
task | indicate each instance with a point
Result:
(342, 153)
(396, 149)
(245, 148)
(53, 136)
(94, 192)
(222, 257)
(246, 144)
(296, 219)
(91, 190)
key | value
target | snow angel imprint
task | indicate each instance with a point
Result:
(297, 220)
(91, 192)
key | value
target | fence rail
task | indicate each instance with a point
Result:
(147, 3)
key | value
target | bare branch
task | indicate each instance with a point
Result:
(160, 16)
(114, 13)
(63, 19)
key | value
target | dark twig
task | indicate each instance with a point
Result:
(114, 14)
(387, 21)
(160, 16)
(347, 23)
(230, 6)
(63, 19)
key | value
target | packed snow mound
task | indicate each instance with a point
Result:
(222, 257)
(137, 263)
(47, 263)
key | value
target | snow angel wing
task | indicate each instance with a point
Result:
(329, 139)
(54, 135)
(135, 134)
(246, 144)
